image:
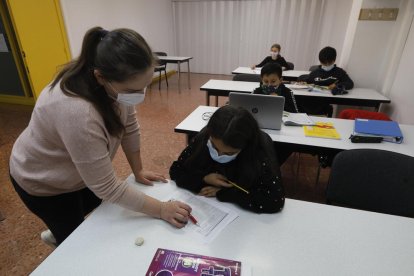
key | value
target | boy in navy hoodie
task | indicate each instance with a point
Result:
(327, 74)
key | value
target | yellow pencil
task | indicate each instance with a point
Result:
(237, 186)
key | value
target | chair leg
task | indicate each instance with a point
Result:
(159, 81)
(317, 175)
(165, 74)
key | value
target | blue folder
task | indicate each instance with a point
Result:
(389, 130)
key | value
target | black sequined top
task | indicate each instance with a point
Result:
(266, 194)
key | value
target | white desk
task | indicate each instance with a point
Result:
(288, 74)
(295, 135)
(304, 239)
(178, 61)
(356, 96)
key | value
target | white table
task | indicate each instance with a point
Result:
(304, 239)
(194, 122)
(178, 61)
(288, 74)
(356, 96)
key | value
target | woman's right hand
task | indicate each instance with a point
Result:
(175, 213)
(216, 179)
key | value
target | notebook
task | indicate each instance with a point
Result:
(389, 130)
(266, 109)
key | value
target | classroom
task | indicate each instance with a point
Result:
(206, 137)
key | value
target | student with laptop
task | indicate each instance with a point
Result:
(233, 160)
(271, 84)
(274, 57)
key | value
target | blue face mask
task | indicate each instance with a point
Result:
(219, 158)
(328, 68)
(269, 89)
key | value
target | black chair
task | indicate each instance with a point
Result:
(313, 67)
(373, 180)
(162, 66)
(290, 66)
(247, 77)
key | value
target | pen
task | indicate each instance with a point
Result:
(193, 219)
(237, 186)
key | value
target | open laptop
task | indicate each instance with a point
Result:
(266, 109)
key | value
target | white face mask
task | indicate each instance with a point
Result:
(328, 68)
(274, 54)
(131, 98)
(219, 158)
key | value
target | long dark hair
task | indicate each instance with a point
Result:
(237, 128)
(117, 55)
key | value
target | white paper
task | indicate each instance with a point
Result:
(3, 44)
(297, 86)
(299, 119)
(211, 216)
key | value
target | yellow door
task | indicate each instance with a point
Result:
(42, 39)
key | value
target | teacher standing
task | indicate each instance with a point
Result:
(61, 163)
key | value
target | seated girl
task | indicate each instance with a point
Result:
(233, 160)
(274, 57)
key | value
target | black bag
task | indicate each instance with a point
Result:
(339, 90)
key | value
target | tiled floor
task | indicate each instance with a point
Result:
(21, 248)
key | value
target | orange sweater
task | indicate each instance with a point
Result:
(66, 147)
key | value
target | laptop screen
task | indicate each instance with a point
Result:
(266, 109)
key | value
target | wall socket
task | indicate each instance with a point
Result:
(378, 14)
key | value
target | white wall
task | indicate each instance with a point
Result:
(334, 26)
(401, 108)
(152, 19)
(372, 47)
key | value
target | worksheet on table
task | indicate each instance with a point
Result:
(212, 217)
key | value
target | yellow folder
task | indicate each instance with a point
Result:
(322, 130)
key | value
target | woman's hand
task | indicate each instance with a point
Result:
(216, 179)
(209, 191)
(253, 67)
(175, 213)
(146, 177)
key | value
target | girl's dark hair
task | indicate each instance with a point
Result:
(237, 128)
(117, 55)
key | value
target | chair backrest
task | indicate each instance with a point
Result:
(247, 77)
(373, 180)
(352, 114)
(313, 67)
(291, 66)
(162, 54)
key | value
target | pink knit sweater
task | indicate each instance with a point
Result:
(66, 147)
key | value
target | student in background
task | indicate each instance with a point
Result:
(328, 74)
(61, 163)
(274, 57)
(232, 148)
(271, 84)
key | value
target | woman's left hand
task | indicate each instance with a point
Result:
(146, 177)
(209, 191)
